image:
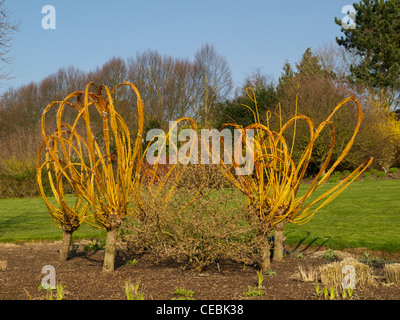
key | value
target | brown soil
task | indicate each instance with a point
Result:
(82, 276)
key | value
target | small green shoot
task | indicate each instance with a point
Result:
(332, 294)
(270, 272)
(94, 245)
(350, 291)
(298, 255)
(326, 293)
(253, 292)
(260, 277)
(49, 292)
(183, 294)
(133, 292)
(344, 295)
(317, 291)
(132, 262)
(330, 255)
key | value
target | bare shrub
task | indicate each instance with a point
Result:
(18, 163)
(18, 151)
(194, 234)
(11, 187)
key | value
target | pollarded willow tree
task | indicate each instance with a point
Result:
(66, 216)
(272, 187)
(55, 168)
(105, 170)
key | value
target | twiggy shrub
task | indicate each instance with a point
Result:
(213, 226)
(18, 186)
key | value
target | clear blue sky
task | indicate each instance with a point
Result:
(250, 34)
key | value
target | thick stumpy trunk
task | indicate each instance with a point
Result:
(265, 248)
(110, 249)
(67, 237)
(279, 240)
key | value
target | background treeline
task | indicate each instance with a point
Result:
(203, 88)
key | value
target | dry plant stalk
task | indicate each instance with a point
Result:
(331, 274)
(3, 265)
(392, 273)
(309, 275)
(271, 190)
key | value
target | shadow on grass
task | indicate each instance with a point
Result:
(315, 243)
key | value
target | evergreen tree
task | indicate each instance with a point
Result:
(309, 64)
(234, 111)
(287, 74)
(376, 40)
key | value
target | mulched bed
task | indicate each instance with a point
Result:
(83, 278)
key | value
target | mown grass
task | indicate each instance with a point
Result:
(28, 219)
(367, 214)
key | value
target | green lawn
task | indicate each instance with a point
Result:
(367, 214)
(29, 219)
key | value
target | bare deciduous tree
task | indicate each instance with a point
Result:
(151, 72)
(8, 26)
(184, 98)
(214, 78)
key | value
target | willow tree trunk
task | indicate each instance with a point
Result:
(265, 248)
(67, 237)
(279, 240)
(111, 243)
(110, 249)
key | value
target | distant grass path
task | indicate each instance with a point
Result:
(367, 214)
